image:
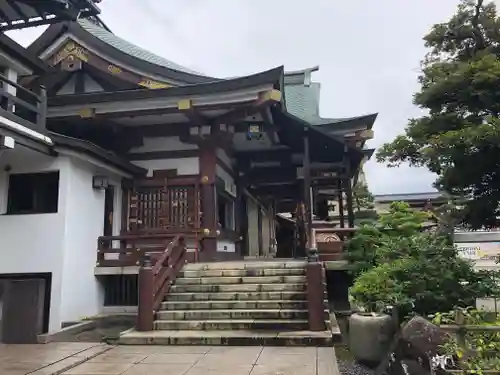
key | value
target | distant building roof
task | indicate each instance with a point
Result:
(408, 197)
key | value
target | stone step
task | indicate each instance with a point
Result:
(273, 314)
(239, 337)
(244, 272)
(234, 304)
(236, 296)
(208, 288)
(233, 324)
(240, 280)
(242, 265)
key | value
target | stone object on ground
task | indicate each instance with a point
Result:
(416, 351)
(370, 336)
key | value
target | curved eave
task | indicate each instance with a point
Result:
(273, 76)
(302, 71)
(55, 31)
(368, 153)
(336, 147)
(97, 152)
(330, 124)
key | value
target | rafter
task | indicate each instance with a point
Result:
(265, 99)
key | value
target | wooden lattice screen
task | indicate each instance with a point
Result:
(164, 204)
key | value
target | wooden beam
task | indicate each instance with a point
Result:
(265, 99)
(185, 106)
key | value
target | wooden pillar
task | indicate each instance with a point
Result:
(307, 191)
(145, 307)
(315, 295)
(259, 231)
(340, 199)
(208, 163)
(349, 202)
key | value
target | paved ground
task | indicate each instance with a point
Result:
(45, 359)
(204, 360)
(55, 358)
(92, 359)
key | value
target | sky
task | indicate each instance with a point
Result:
(369, 53)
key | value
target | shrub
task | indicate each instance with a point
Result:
(423, 274)
(399, 221)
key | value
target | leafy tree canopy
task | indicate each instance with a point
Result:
(459, 138)
(363, 198)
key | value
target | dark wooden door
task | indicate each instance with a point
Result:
(23, 311)
(109, 198)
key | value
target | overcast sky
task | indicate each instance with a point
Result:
(368, 52)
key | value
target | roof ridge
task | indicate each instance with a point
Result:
(125, 46)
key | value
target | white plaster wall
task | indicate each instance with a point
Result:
(151, 144)
(220, 172)
(63, 243)
(82, 295)
(34, 243)
(222, 155)
(184, 166)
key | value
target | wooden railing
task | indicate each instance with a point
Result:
(155, 279)
(25, 107)
(132, 250)
(460, 329)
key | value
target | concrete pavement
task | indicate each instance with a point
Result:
(92, 359)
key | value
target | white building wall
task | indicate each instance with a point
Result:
(184, 166)
(222, 155)
(64, 243)
(82, 294)
(34, 243)
(151, 144)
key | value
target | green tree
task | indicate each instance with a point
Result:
(364, 208)
(459, 137)
(363, 198)
(422, 274)
(363, 250)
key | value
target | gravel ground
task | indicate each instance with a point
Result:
(353, 368)
(347, 365)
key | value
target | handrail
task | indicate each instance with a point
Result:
(25, 106)
(133, 248)
(155, 281)
(21, 88)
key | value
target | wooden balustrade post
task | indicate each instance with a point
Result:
(42, 109)
(145, 311)
(315, 295)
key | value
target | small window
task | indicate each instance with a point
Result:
(35, 193)
(225, 210)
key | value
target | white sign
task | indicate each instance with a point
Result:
(479, 251)
(226, 247)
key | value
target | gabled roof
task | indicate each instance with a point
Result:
(131, 49)
(118, 49)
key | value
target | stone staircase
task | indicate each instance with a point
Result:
(237, 303)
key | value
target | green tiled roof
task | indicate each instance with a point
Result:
(303, 101)
(131, 49)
